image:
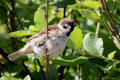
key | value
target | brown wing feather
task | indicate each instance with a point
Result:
(50, 28)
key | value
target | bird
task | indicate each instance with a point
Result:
(58, 35)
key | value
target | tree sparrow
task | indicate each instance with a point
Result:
(57, 37)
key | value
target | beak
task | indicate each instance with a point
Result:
(74, 24)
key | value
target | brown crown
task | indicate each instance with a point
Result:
(65, 21)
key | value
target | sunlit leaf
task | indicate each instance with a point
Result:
(27, 78)
(92, 44)
(87, 4)
(9, 78)
(33, 28)
(89, 14)
(39, 19)
(21, 33)
(76, 38)
(111, 55)
(91, 4)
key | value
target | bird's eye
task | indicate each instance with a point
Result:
(65, 27)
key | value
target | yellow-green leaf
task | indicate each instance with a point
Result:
(39, 19)
(76, 38)
(111, 55)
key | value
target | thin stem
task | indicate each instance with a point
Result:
(79, 72)
(19, 22)
(111, 28)
(64, 12)
(111, 18)
(47, 6)
(47, 62)
(47, 56)
(98, 28)
(1, 70)
(101, 5)
(41, 68)
(62, 68)
(3, 63)
(101, 57)
(11, 20)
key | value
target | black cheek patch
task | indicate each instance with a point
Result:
(72, 28)
(65, 27)
(41, 44)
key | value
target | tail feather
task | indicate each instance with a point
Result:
(15, 55)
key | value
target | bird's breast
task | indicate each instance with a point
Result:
(56, 45)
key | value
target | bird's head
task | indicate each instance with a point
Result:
(67, 25)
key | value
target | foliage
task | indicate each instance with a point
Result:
(92, 51)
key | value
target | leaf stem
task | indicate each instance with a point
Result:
(101, 57)
(98, 28)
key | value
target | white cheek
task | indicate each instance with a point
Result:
(64, 30)
(60, 27)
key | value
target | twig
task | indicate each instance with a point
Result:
(11, 20)
(3, 63)
(74, 17)
(111, 28)
(1, 69)
(64, 12)
(26, 71)
(101, 5)
(41, 69)
(101, 74)
(79, 72)
(100, 57)
(61, 73)
(47, 56)
(111, 18)
(19, 22)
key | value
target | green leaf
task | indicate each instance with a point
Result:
(111, 55)
(70, 60)
(9, 78)
(92, 44)
(76, 38)
(91, 4)
(21, 33)
(89, 14)
(64, 3)
(70, 44)
(27, 78)
(39, 19)
(33, 28)
(52, 69)
(87, 4)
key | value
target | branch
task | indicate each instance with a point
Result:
(111, 18)
(100, 57)
(41, 68)
(3, 63)
(79, 72)
(19, 22)
(47, 56)
(11, 20)
(101, 5)
(111, 28)
(62, 68)
(64, 12)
